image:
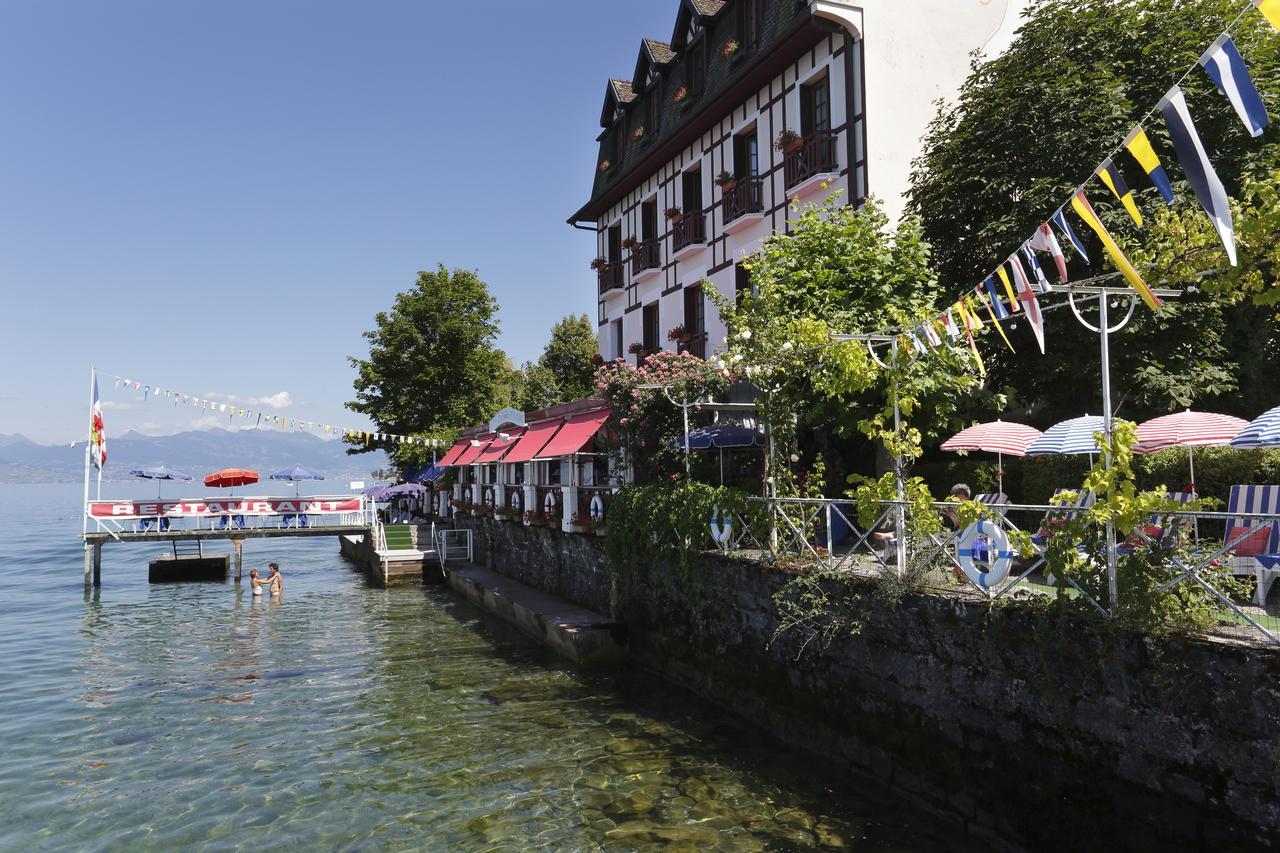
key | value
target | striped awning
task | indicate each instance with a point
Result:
(1187, 429)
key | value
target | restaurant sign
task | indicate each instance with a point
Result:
(229, 506)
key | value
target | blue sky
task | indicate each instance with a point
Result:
(218, 197)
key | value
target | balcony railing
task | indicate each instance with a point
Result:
(815, 156)
(647, 256)
(695, 345)
(689, 231)
(610, 278)
(747, 197)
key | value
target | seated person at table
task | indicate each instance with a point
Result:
(959, 492)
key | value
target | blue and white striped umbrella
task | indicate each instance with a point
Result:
(1069, 437)
(1264, 431)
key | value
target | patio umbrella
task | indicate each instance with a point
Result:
(998, 437)
(229, 478)
(402, 489)
(1263, 431)
(295, 475)
(159, 473)
(721, 437)
(1190, 430)
(1073, 438)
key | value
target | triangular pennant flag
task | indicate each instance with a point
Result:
(1200, 173)
(1111, 176)
(1080, 203)
(1140, 147)
(1060, 219)
(1044, 241)
(991, 312)
(974, 319)
(952, 329)
(993, 299)
(1029, 302)
(1041, 281)
(1225, 66)
(1270, 9)
(1008, 289)
(968, 331)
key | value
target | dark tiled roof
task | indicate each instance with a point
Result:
(660, 51)
(708, 8)
(622, 91)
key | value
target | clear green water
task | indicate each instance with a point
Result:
(160, 717)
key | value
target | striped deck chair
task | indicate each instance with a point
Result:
(1164, 530)
(993, 499)
(1255, 543)
(1083, 501)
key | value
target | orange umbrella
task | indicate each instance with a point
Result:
(231, 477)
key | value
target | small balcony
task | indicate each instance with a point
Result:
(646, 259)
(812, 163)
(689, 234)
(610, 278)
(743, 205)
(695, 345)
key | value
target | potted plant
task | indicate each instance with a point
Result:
(598, 527)
(533, 519)
(553, 518)
(638, 133)
(580, 522)
(726, 182)
(631, 243)
(677, 334)
(730, 48)
(674, 214)
(681, 95)
(789, 140)
(637, 349)
(604, 165)
(599, 264)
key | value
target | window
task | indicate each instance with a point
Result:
(749, 24)
(619, 348)
(653, 108)
(611, 149)
(614, 247)
(691, 187)
(649, 219)
(815, 107)
(695, 321)
(746, 154)
(650, 328)
(696, 66)
(741, 283)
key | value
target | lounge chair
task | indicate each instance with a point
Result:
(1058, 517)
(157, 523)
(1254, 544)
(1164, 531)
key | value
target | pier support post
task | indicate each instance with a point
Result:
(88, 564)
(238, 544)
(97, 564)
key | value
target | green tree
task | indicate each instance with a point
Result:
(570, 357)
(1031, 124)
(541, 390)
(433, 366)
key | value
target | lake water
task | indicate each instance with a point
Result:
(146, 717)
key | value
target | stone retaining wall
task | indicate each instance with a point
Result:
(1022, 730)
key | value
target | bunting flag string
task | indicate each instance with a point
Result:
(261, 418)
(1139, 145)
(1008, 289)
(1111, 176)
(1199, 171)
(1044, 241)
(1080, 203)
(1225, 66)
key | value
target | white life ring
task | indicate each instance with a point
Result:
(516, 500)
(597, 508)
(998, 555)
(549, 503)
(721, 526)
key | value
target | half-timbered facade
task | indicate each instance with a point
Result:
(750, 105)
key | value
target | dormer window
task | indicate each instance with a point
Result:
(749, 24)
(653, 110)
(696, 66)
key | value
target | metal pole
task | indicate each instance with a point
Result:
(899, 521)
(85, 508)
(684, 407)
(1104, 325)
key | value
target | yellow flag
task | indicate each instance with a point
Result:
(1080, 203)
(1008, 289)
(982, 297)
(1270, 9)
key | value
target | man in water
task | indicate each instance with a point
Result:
(275, 583)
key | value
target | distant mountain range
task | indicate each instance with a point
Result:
(196, 453)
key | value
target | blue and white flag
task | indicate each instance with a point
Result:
(1060, 219)
(1200, 172)
(1042, 282)
(997, 306)
(1224, 64)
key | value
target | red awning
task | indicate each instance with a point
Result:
(470, 454)
(575, 433)
(451, 456)
(495, 451)
(533, 440)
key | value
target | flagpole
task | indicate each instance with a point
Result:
(85, 508)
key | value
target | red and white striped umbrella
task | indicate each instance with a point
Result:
(1187, 429)
(998, 437)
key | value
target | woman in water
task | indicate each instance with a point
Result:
(257, 584)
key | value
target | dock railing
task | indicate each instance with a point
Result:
(168, 517)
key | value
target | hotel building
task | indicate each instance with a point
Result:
(750, 105)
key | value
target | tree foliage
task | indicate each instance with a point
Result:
(433, 366)
(1031, 124)
(570, 357)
